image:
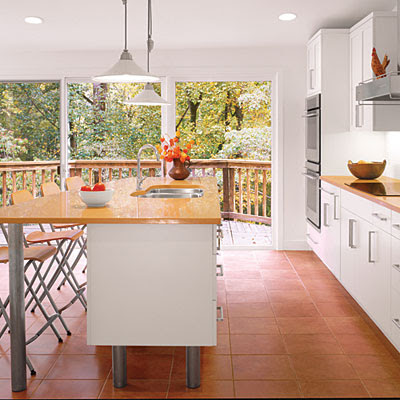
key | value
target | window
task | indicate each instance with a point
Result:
(102, 127)
(29, 121)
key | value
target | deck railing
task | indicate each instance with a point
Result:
(245, 185)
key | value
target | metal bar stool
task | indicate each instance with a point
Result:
(63, 268)
(50, 188)
(33, 255)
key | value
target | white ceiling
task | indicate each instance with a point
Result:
(178, 24)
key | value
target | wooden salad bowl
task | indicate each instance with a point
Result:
(368, 170)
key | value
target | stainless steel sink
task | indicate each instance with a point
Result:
(173, 193)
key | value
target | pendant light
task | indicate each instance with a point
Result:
(126, 70)
(148, 97)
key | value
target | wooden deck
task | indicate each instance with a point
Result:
(237, 233)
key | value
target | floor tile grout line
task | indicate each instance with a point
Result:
(335, 336)
(170, 374)
(104, 384)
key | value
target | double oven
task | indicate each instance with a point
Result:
(313, 159)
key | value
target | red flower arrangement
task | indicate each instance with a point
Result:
(171, 150)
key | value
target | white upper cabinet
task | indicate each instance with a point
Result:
(314, 66)
(377, 30)
(328, 69)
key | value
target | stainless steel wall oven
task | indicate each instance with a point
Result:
(313, 159)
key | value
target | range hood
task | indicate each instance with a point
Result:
(386, 88)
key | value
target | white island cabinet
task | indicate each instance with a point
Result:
(152, 285)
(365, 249)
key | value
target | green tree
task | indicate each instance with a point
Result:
(31, 112)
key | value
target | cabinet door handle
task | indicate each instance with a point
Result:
(309, 236)
(379, 216)
(371, 247)
(335, 204)
(396, 267)
(311, 78)
(396, 321)
(221, 313)
(221, 270)
(396, 226)
(352, 224)
(326, 211)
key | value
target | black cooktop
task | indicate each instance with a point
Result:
(377, 188)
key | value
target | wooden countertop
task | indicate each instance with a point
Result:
(390, 202)
(68, 207)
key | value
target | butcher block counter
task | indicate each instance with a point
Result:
(151, 270)
(123, 208)
(393, 203)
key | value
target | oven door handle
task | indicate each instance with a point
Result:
(312, 115)
(314, 178)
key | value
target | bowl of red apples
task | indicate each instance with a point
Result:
(98, 196)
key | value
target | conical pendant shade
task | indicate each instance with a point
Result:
(126, 70)
(148, 97)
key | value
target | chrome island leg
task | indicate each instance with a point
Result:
(17, 307)
(193, 367)
(119, 366)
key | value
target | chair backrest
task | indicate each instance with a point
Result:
(74, 183)
(49, 188)
(21, 196)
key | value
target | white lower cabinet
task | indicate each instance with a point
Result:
(373, 278)
(365, 266)
(350, 250)
(358, 243)
(330, 228)
(395, 292)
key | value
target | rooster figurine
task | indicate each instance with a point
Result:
(378, 67)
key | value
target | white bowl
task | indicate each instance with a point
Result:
(96, 199)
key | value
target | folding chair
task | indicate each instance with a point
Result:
(33, 255)
(50, 188)
(74, 183)
(62, 238)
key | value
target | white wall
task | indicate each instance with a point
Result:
(354, 146)
(289, 62)
(392, 154)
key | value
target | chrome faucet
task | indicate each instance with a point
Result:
(139, 173)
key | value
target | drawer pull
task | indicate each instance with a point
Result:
(396, 266)
(326, 212)
(221, 270)
(396, 321)
(335, 213)
(371, 247)
(352, 224)
(312, 240)
(379, 216)
(396, 226)
(326, 191)
(221, 313)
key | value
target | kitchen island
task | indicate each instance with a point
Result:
(151, 270)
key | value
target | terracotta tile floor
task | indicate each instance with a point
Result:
(290, 330)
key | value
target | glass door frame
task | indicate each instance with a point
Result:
(228, 75)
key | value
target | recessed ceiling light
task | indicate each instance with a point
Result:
(287, 17)
(33, 20)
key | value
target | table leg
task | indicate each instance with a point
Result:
(193, 367)
(119, 366)
(17, 307)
